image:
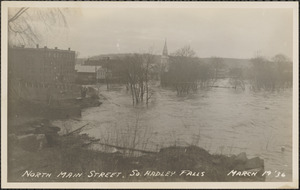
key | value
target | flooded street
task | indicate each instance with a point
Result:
(221, 120)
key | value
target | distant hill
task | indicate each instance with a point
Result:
(111, 56)
(229, 62)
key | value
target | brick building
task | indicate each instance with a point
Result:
(42, 65)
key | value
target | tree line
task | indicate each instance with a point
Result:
(188, 73)
(271, 74)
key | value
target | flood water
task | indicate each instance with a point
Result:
(221, 120)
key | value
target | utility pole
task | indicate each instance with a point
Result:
(96, 72)
(106, 73)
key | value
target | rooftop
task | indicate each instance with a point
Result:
(40, 48)
(86, 68)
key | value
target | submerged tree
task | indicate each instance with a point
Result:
(217, 64)
(187, 71)
(284, 71)
(262, 74)
(137, 69)
(205, 75)
(183, 74)
(236, 75)
(184, 68)
(271, 74)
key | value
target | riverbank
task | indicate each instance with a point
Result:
(68, 157)
(30, 129)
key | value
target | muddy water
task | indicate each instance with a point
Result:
(221, 120)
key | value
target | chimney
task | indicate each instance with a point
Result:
(45, 47)
(55, 47)
(37, 45)
(22, 46)
(69, 49)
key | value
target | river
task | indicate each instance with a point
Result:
(221, 120)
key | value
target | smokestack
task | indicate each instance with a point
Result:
(37, 45)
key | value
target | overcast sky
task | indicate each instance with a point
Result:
(232, 33)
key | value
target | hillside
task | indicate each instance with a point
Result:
(229, 62)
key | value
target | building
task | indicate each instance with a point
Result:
(164, 65)
(165, 59)
(108, 69)
(41, 65)
(41, 74)
(101, 74)
(85, 74)
(98, 62)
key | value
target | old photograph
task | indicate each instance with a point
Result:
(185, 92)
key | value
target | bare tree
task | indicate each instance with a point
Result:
(272, 74)
(184, 70)
(27, 26)
(149, 68)
(217, 64)
(237, 77)
(261, 74)
(138, 68)
(205, 75)
(186, 51)
(184, 74)
(284, 70)
(280, 58)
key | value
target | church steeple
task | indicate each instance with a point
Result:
(164, 60)
(165, 50)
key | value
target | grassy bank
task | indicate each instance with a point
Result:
(70, 156)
